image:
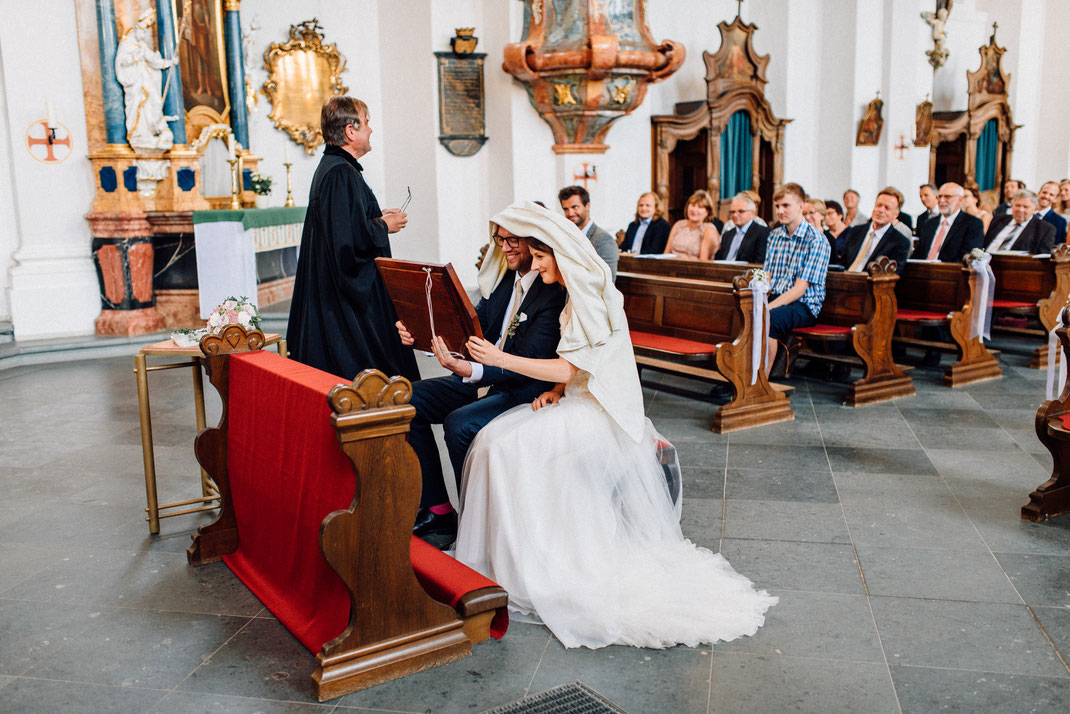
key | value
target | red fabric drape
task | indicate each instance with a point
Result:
(281, 419)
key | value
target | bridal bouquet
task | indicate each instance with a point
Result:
(234, 311)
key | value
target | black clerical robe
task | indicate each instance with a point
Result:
(341, 317)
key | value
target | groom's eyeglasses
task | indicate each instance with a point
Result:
(513, 241)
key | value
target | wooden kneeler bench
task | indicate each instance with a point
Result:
(935, 294)
(1032, 288)
(1052, 498)
(703, 329)
(860, 309)
(322, 534)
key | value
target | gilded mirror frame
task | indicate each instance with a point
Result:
(288, 75)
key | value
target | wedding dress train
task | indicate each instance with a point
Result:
(573, 518)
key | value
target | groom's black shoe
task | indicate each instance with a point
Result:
(437, 530)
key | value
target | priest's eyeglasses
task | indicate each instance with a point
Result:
(512, 241)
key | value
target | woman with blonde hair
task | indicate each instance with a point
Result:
(695, 237)
(649, 232)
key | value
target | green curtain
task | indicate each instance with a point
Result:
(737, 151)
(987, 144)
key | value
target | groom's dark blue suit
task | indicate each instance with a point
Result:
(454, 404)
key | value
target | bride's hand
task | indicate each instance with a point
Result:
(545, 399)
(485, 352)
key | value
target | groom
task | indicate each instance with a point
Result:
(521, 317)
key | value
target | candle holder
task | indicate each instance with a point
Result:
(289, 187)
(235, 200)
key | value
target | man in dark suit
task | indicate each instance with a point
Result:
(576, 205)
(1011, 187)
(745, 240)
(927, 194)
(877, 237)
(521, 317)
(1022, 230)
(954, 234)
(649, 232)
(1048, 195)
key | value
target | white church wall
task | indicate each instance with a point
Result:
(9, 230)
(51, 282)
(1049, 139)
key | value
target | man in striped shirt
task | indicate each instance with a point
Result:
(796, 261)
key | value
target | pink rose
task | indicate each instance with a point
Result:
(232, 317)
(229, 305)
(248, 309)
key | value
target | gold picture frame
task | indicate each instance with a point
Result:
(198, 25)
(303, 73)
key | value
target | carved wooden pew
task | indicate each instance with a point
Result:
(858, 307)
(322, 534)
(703, 329)
(1052, 498)
(1034, 288)
(942, 294)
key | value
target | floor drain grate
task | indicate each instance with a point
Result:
(571, 698)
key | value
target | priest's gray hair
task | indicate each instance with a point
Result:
(1024, 193)
(338, 113)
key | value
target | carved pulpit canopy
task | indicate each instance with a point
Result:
(585, 64)
(988, 81)
(303, 73)
(735, 64)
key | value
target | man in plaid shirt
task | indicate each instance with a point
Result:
(796, 261)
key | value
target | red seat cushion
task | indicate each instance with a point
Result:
(820, 329)
(1012, 303)
(1065, 419)
(920, 315)
(671, 344)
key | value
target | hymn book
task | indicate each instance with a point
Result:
(426, 295)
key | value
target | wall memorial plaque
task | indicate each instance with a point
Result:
(461, 115)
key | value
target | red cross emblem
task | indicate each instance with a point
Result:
(39, 147)
(586, 172)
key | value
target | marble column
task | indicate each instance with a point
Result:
(114, 114)
(239, 120)
(172, 100)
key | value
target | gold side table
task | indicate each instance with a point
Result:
(209, 493)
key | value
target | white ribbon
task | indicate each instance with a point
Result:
(1053, 357)
(984, 291)
(759, 309)
(431, 311)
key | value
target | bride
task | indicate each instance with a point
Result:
(567, 506)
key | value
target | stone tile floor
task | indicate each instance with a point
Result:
(891, 533)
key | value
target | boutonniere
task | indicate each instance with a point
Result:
(517, 319)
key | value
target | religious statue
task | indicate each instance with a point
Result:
(138, 68)
(937, 21)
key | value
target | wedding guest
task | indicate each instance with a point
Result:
(695, 237)
(576, 205)
(836, 226)
(954, 234)
(649, 232)
(927, 194)
(746, 239)
(519, 313)
(1064, 199)
(1023, 229)
(852, 217)
(1046, 197)
(877, 237)
(971, 203)
(1011, 187)
(796, 261)
(565, 503)
(341, 317)
(753, 196)
(814, 213)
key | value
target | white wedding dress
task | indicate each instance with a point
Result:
(573, 517)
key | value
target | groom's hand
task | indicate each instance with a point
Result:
(459, 367)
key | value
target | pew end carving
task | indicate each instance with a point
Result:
(1052, 498)
(395, 628)
(882, 379)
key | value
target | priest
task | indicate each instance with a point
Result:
(341, 317)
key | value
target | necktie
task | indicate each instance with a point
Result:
(938, 242)
(733, 250)
(518, 297)
(1009, 240)
(863, 253)
(640, 232)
